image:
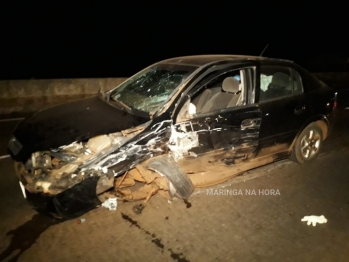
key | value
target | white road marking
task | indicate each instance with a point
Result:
(12, 119)
(5, 156)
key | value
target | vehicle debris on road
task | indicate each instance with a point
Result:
(81, 220)
(137, 209)
(314, 219)
(110, 203)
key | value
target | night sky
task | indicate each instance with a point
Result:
(66, 41)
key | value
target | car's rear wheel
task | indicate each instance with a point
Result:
(308, 144)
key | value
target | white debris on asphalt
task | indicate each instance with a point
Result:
(314, 219)
(81, 220)
(110, 203)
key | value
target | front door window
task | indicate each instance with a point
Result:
(220, 92)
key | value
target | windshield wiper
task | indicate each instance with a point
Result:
(121, 104)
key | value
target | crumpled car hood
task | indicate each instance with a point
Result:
(75, 121)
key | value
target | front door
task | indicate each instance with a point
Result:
(233, 133)
(225, 124)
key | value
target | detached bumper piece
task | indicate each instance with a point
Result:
(69, 204)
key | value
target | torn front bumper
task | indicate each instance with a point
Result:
(69, 204)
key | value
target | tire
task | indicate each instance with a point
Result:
(308, 144)
(167, 166)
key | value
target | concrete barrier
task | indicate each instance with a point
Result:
(27, 96)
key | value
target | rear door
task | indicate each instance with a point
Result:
(283, 104)
(230, 131)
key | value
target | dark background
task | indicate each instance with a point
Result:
(83, 40)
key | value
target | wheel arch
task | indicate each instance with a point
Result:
(321, 120)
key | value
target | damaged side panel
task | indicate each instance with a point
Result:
(236, 132)
(55, 170)
(104, 156)
(160, 148)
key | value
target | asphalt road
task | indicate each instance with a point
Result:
(217, 227)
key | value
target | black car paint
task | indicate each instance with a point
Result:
(284, 118)
(75, 121)
(280, 121)
(223, 130)
(90, 117)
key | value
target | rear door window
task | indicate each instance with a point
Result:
(277, 82)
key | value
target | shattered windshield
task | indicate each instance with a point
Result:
(148, 90)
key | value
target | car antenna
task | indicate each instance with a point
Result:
(264, 49)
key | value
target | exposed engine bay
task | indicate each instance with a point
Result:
(52, 172)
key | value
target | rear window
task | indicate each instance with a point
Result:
(310, 82)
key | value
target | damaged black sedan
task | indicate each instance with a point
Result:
(181, 123)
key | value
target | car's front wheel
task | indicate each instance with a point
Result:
(308, 144)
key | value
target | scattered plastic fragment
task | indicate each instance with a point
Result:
(110, 203)
(138, 208)
(314, 219)
(193, 154)
(23, 189)
(81, 220)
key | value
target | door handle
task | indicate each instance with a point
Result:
(299, 110)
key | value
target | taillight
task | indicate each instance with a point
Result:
(334, 104)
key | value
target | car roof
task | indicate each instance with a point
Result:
(200, 60)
